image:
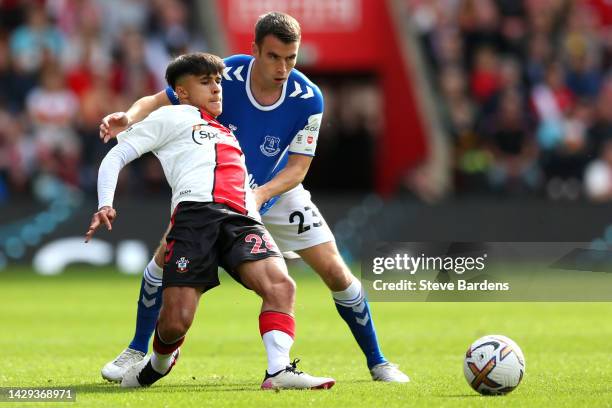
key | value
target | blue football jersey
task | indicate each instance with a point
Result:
(268, 134)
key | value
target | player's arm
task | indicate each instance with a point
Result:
(116, 159)
(293, 174)
(117, 122)
(147, 135)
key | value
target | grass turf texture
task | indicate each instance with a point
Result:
(59, 331)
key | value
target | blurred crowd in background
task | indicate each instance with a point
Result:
(525, 93)
(64, 64)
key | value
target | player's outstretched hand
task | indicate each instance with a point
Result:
(113, 124)
(105, 215)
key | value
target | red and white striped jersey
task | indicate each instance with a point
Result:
(201, 158)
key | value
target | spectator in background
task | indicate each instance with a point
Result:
(170, 37)
(561, 133)
(564, 163)
(539, 52)
(52, 109)
(485, 79)
(15, 83)
(36, 42)
(552, 101)
(63, 64)
(460, 113)
(509, 78)
(131, 78)
(121, 15)
(448, 47)
(8, 97)
(92, 110)
(479, 21)
(87, 53)
(17, 156)
(601, 129)
(582, 50)
(513, 147)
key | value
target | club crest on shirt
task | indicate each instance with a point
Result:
(270, 146)
(181, 264)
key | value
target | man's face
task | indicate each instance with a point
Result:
(275, 59)
(203, 91)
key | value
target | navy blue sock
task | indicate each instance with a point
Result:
(355, 310)
(149, 303)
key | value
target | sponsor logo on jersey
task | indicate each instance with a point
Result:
(270, 146)
(181, 264)
(200, 134)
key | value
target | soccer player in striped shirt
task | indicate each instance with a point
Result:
(214, 223)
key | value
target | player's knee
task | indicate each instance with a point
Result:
(289, 287)
(281, 293)
(286, 290)
(174, 329)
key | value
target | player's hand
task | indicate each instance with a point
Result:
(105, 215)
(260, 198)
(112, 125)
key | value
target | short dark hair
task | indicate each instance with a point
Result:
(197, 63)
(281, 25)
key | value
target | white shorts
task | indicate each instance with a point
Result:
(295, 222)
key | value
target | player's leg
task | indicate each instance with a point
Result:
(352, 305)
(348, 297)
(175, 319)
(148, 306)
(149, 300)
(252, 258)
(270, 280)
(296, 224)
(190, 268)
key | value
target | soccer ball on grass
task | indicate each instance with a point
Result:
(494, 365)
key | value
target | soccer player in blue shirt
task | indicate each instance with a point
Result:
(275, 111)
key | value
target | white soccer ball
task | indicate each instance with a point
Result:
(494, 365)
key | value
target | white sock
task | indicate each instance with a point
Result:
(277, 344)
(153, 273)
(351, 296)
(161, 362)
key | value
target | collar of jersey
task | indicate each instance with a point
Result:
(252, 98)
(208, 117)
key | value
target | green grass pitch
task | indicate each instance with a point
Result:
(59, 331)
